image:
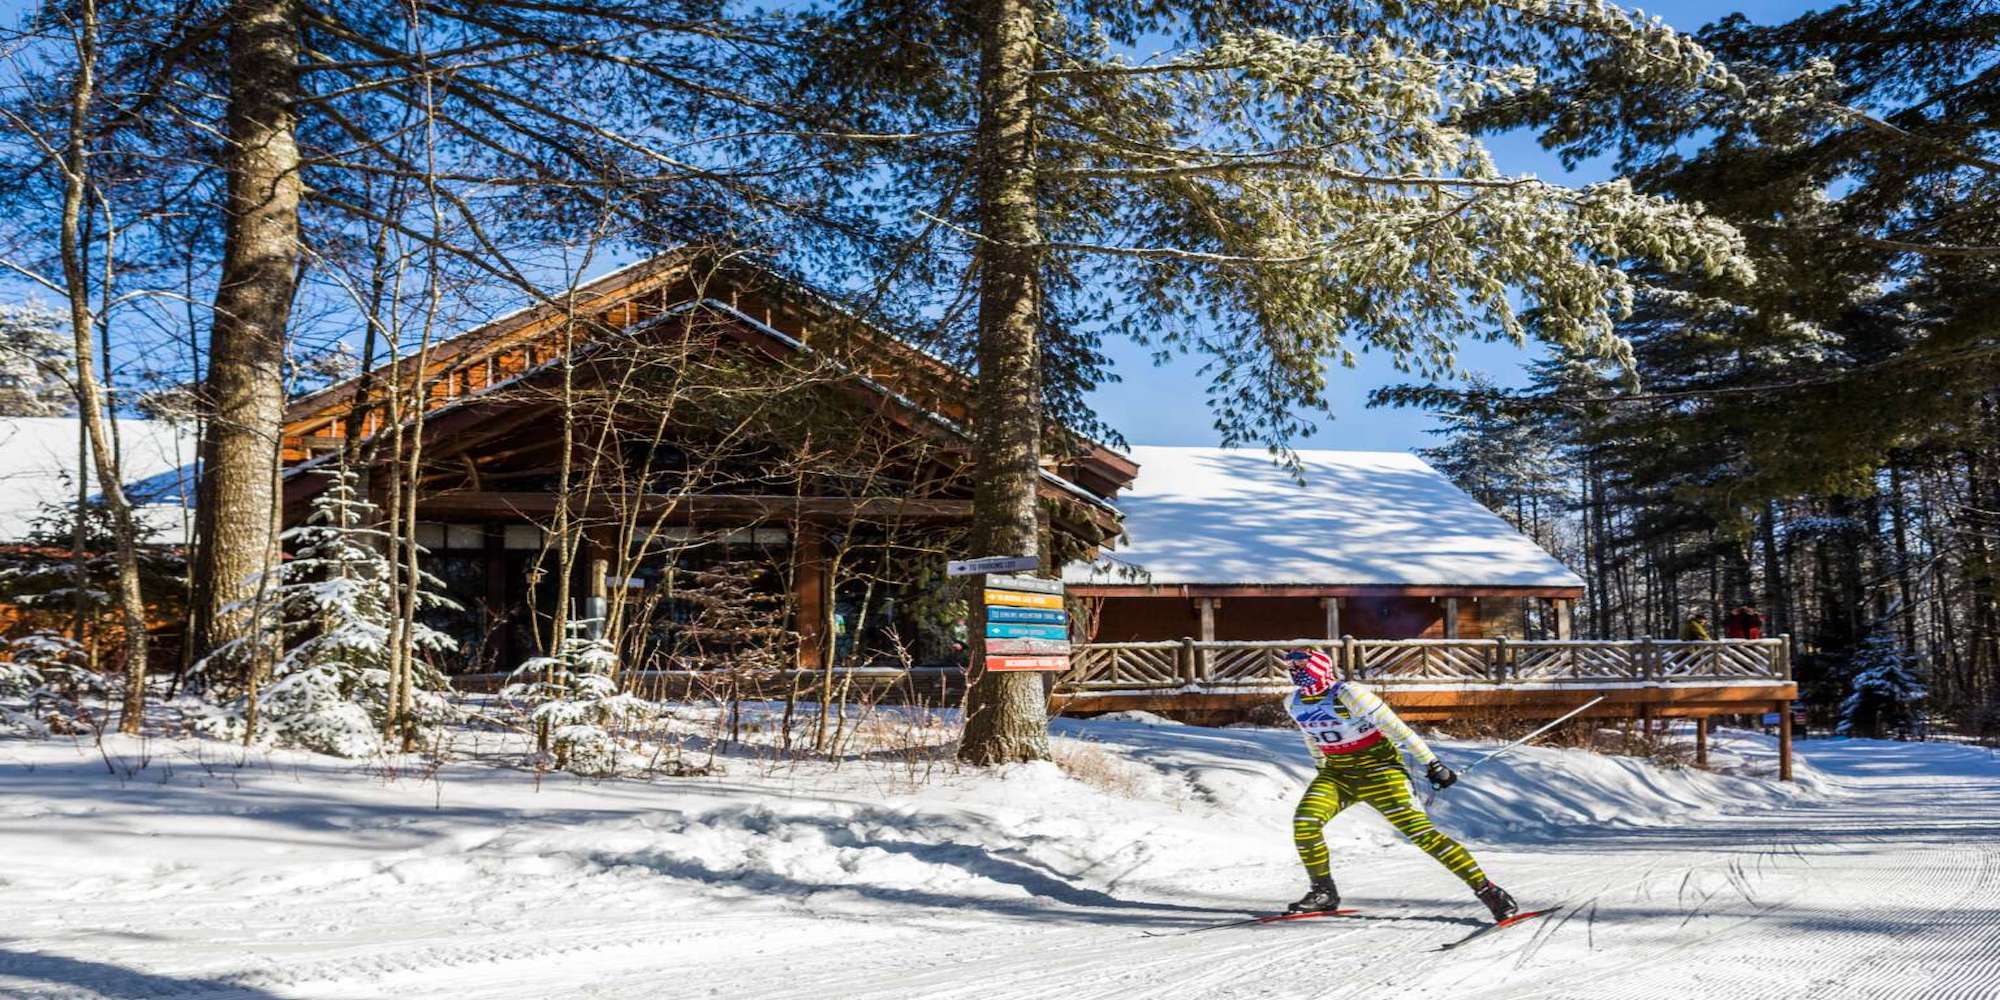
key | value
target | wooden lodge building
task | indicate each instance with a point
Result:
(1215, 544)
(722, 422)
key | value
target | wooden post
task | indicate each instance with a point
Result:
(1350, 665)
(1202, 653)
(1332, 606)
(500, 640)
(809, 604)
(1701, 741)
(1451, 617)
(600, 593)
(1562, 618)
(1784, 741)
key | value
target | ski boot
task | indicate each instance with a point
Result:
(1321, 897)
(1497, 900)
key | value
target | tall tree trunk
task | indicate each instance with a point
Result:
(1776, 599)
(245, 391)
(1906, 590)
(1982, 565)
(1843, 611)
(1006, 713)
(1600, 556)
(90, 401)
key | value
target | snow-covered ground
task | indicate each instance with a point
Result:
(179, 868)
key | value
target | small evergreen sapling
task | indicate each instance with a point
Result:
(574, 696)
(333, 606)
(1885, 692)
(50, 673)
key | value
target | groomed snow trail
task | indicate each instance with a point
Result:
(1883, 883)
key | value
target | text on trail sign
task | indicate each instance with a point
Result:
(991, 564)
(1027, 627)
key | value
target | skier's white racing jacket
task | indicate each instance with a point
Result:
(1348, 718)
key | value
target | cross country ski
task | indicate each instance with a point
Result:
(1502, 925)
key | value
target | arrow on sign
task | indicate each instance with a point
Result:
(991, 564)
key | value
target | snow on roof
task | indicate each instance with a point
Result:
(38, 466)
(1219, 516)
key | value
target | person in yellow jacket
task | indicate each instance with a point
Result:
(1355, 738)
(1695, 629)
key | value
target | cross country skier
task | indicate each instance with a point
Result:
(1355, 738)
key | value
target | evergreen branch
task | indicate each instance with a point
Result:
(1331, 172)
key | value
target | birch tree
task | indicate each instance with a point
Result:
(68, 244)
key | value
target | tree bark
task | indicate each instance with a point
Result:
(90, 401)
(245, 388)
(1006, 713)
(1777, 596)
(1906, 589)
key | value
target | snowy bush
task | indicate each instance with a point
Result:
(35, 352)
(1885, 691)
(573, 697)
(333, 612)
(50, 674)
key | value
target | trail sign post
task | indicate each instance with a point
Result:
(991, 564)
(1027, 626)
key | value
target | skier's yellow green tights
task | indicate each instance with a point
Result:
(1373, 775)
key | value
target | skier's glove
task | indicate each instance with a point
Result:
(1440, 775)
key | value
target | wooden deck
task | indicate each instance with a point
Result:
(1425, 680)
(1433, 680)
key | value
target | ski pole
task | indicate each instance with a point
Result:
(1572, 713)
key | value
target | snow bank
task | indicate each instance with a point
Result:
(1532, 794)
(286, 874)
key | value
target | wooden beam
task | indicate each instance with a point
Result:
(1701, 741)
(1451, 617)
(1332, 606)
(1562, 606)
(1191, 590)
(1207, 608)
(1617, 700)
(469, 503)
(810, 602)
(1681, 701)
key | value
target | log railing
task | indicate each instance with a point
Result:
(1222, 666)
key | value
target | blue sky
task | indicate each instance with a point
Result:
(1161, 405)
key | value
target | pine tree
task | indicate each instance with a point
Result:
(574, 697)
(1505, 460)
(1272, 186)
(329, 612)
(1885, 691)
(34, 357)
(51, 673)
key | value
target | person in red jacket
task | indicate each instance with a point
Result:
(1744, 622)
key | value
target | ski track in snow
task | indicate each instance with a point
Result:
(1884, 884)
